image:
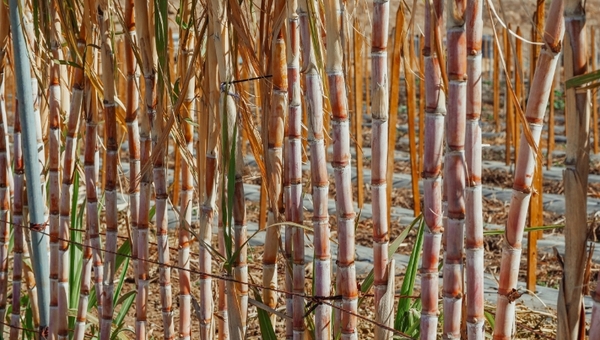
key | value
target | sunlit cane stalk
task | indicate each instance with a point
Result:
(133, 130)
(110, 190)
(380, 113)
(207, 208)
(186, 195)
(473, 192)
(59, 256)
(144, 32)
(274, 158)
(534, 116)
(435, 110)
(159, 171)
(454, 168)
(293, 155)
(319, 181)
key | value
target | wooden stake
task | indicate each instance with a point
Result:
(497, 88)
(519, 75)
(508, 101)
(550, 147)
(536, 207)
(539, 19)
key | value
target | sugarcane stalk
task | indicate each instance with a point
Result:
(172, 67)
(319, 182)
(575, 176)
(79, 87)
(32, 170)
(144, 32)
(133, 129)
(207, 209)
(17, 212)
(288, 245)
(159, 171)
(110, 186)
(84, 290)
(346, 275)
(473, 191)
(59, 254)
(90, 257)
(379, 145)
(274, 157)
(69, 169)
(228, 116)
(91, 169)
(454, 169)
(19, 237)
(74, 119)
(534, 116)
(54, 171)
(435, 111)
(186, 195)
(5, 224)
(293, 154)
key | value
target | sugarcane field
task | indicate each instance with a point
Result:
(299, 169)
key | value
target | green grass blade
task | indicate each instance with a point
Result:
(490, 319)
(92, 299)
(264, 320)
(402, 323)
(124, 253)
(230, 194)
(11, 241)
(538, 228)
(413, 330)
(152, 212)
(75, 251)
(584, 79)
(126, 301)
(119, 333)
